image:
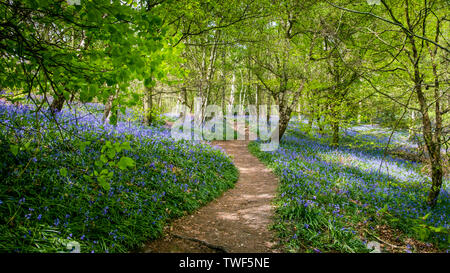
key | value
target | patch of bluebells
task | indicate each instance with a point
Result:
(170, 178)
(342, 181)
(370, 137)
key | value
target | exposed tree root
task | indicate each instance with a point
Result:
(221, 249)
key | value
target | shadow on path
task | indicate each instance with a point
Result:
(238, 221)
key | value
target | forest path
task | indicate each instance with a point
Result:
(237, 221)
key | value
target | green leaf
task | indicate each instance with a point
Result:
(103, 159)
(103, 183)
(14, 149)
(426, 216)
(148, 82)
(66, 95)
(63, 172)
(126, 146)
(87, 177)
(106, 186)
(383, 210)
(83, 145)
(113, 119)
(111, 153)
(98, 163)
(117, 147)
(125, 162)
(108, 144)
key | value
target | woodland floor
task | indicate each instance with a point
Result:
(236, 222)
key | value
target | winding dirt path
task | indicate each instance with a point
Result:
(238, 221)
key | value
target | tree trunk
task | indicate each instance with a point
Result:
(184, 101)
(57, 103)
(223, 82)
(242, 88)
(148, 105)
(257, 99)
(319, 124)
(310, 117)
(233, 88)
(335, 138)
(432, 142)
(285, 116)
(436, 160)
(159, 100)
(107, 112)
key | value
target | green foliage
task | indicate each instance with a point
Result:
(155, 115)
(14, 149)
(86, 59)
(108, 160)
(63, 172)
(425, 230)
(125, 162)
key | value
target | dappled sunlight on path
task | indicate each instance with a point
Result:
(238, 221)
